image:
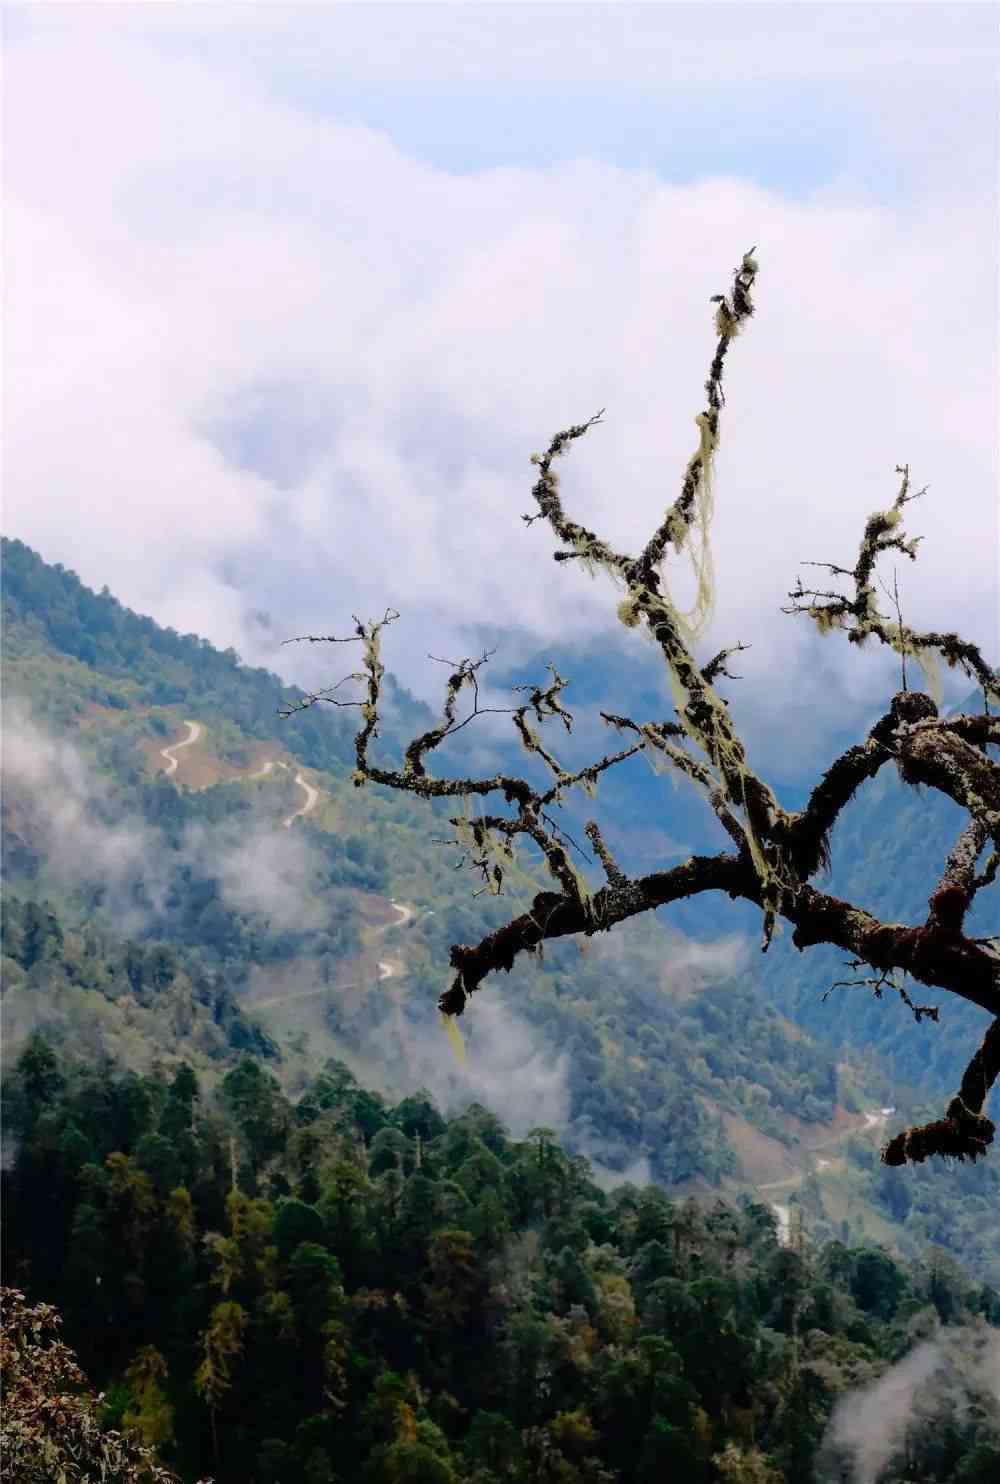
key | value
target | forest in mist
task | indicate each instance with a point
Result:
(500, 787)
(639, 1232)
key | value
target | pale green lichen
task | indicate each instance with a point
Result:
(930, 663)
(724, 320)
(701, 552)
(586, 559)
(826, 619)
(902, 640)
(455, 1038)
(682, 532)
(372, 653)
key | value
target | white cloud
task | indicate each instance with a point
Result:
(508, 1068)
(260, 870)
(82, 837)
(194, 265)
(559, 42)
(52, 798)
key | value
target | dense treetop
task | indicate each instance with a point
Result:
(342, 1289)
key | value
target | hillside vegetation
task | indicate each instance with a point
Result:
(344, 1288)
(161, 913)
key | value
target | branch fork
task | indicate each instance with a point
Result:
(775, 853)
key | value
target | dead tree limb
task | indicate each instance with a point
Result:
(775, 851)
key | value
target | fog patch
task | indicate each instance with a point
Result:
(84, 839)
(49, 783)
(396, 1045)
(693, 965)
(507, 1068)
(954, 1375)
(666, 956)
(639, 1172)
(268, 872)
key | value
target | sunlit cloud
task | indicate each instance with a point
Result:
(262, 358)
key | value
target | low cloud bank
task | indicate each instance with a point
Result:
(953, 1375)
(414, 332)
(69, 815)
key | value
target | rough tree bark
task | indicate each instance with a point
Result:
(774, 853)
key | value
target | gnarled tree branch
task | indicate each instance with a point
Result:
(776, 852)
(964, 1132)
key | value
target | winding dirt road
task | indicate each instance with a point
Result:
(312, 794)
(312, 798)
(385, 969)
(195, 729)
(406, 913)
(873, 1120)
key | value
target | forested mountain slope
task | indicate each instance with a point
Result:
(190, 876)
(133, 662)
(345, 1288)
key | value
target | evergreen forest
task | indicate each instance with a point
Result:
(639, 1233)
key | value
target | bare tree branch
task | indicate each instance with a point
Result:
(717, 665)
(612, 870)
(859, 616)
(555, 916)
(776, 852)
(465, 672)
(886, 978)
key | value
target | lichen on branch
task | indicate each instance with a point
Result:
(776, 852)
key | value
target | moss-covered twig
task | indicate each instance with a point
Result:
(859, 616)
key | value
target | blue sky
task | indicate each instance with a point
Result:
(791, 96)
(296, 292)
(679, 133)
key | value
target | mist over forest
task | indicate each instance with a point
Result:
(501, 771)
(257, 1181)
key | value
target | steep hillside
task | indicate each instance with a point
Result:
(158, 812)
(131, 663)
